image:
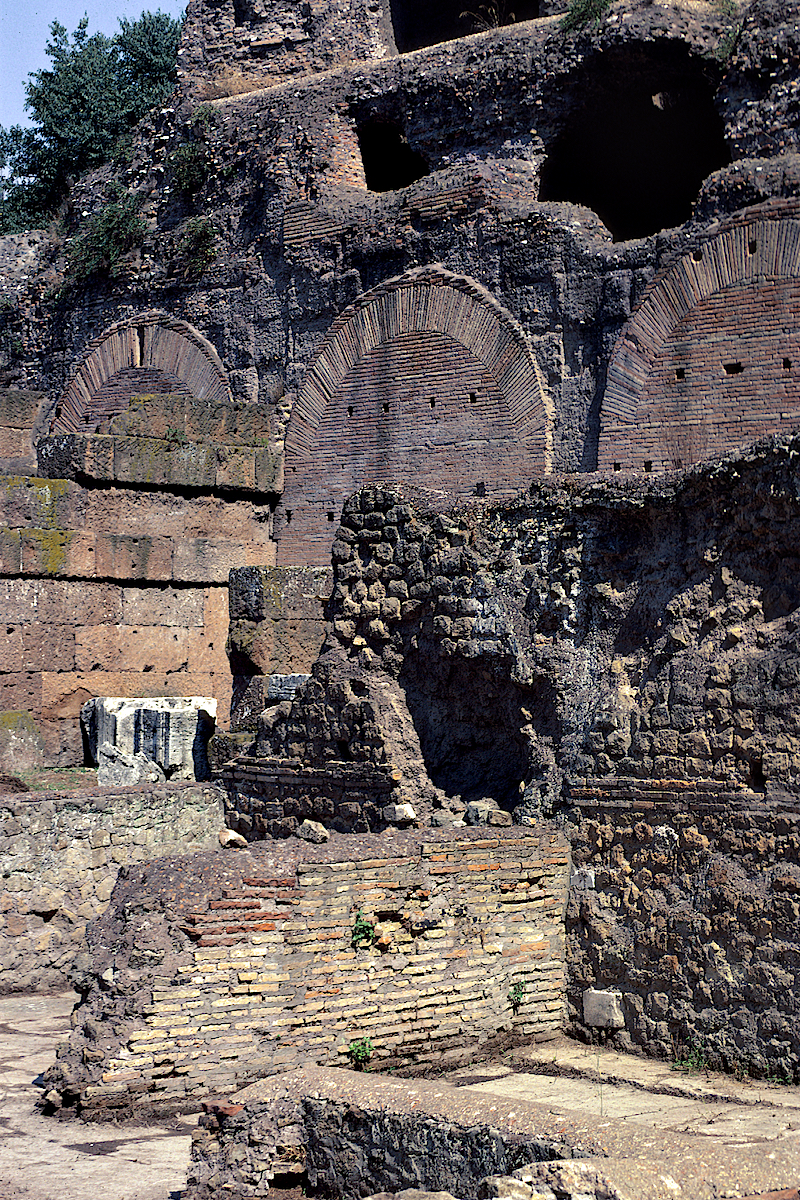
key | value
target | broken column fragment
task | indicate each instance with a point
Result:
(137, 740)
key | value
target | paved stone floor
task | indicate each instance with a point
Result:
(620, 1087)
(45, 1159)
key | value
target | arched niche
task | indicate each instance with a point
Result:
(425, 379)
(148, 353)
(711, 358)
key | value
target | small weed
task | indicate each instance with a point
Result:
(360, 1051)
(488, 16)
(204, 118)
(175, 435)
(516, 995)
(692, 1060)
(583, 13)
(729, 38)
(363, 932)
(190, 163)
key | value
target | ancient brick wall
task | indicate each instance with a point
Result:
(111, 591)
(687, 905)
(426, 378)
(271, 797)
(709, 362)
(253, 970)
(60, 857)
(148, 352)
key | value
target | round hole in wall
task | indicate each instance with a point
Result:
(697, 255)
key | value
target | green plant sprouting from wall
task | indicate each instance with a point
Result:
(197, 245)
(106, 238)
(363, 933)
(583, 13)
(190, 163)
(516, 995)
(731, 31)
(360, 1051)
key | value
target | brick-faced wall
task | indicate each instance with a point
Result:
(424, 378)
(60, 857)
(251, 967)
(728, 373)
(709, 360)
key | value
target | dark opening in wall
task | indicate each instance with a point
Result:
(641, 137)
(482, 736)
(389, 162)
(418, 23)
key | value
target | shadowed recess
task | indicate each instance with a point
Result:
(642, 135)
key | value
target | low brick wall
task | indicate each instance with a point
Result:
(686, 902)
(270, 797)
(250, 966)
(60, 856)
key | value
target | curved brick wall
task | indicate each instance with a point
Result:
(711, 359)
(426, 379)
(148, 353)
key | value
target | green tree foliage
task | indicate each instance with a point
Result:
(83, 107)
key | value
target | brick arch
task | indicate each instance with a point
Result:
(150, 352)
(425, 378)
(699, 369)
(429, 299)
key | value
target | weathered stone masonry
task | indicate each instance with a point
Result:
(225, 970)
(59, 860)
(594, 642)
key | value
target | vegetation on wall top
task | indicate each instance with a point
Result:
(84, 108)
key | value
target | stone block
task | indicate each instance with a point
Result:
(603, 1010)
(312, 831)
(283, 687)
(11, 650)
(67, 602)
(172, 732)
(162, 606)
(399, 814)
(21, 742)
(207, 560)
(143, 648)
(10, 553)
(120, 556)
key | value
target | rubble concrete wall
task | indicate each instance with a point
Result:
(686, 904)
(60, 857)
(229, 967)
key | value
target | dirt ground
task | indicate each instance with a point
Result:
(45, 1159)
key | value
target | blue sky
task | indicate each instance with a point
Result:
(24, 32)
